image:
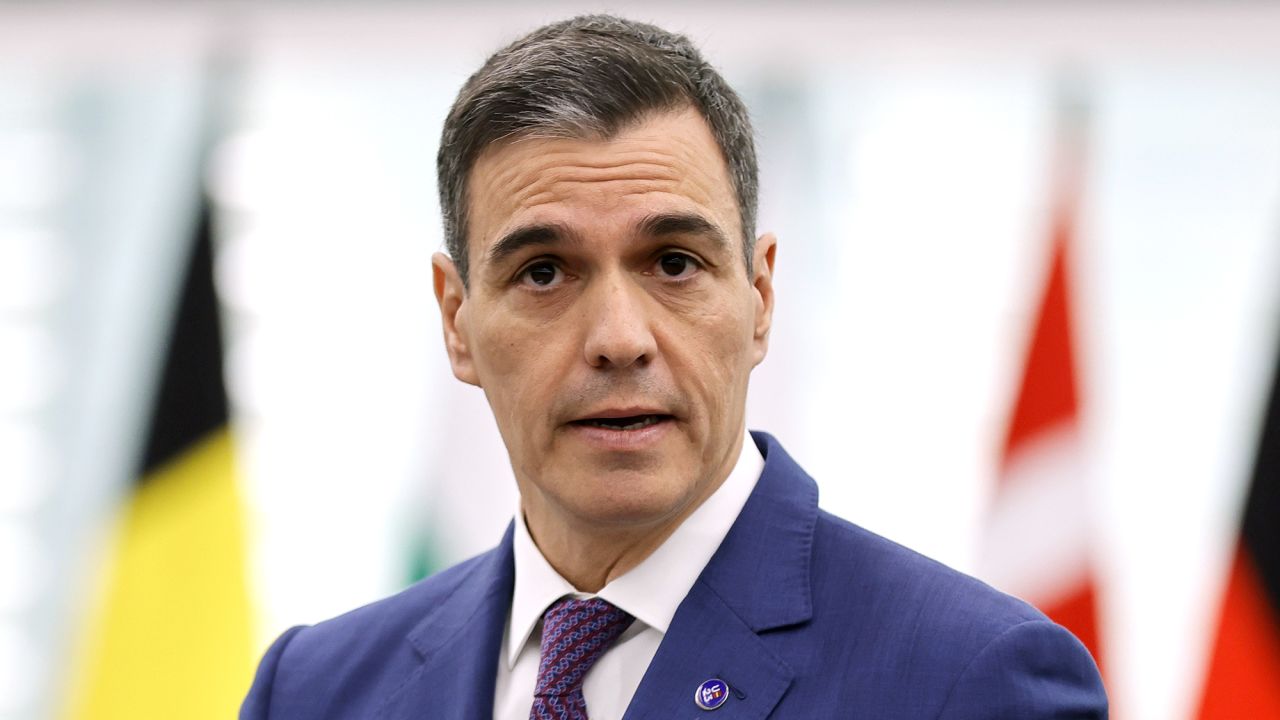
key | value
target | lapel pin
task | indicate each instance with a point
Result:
(711, 694)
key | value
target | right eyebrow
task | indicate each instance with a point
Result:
(682, 223)
(542, 234)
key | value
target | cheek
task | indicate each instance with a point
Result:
(523, 363)
(519, 333)
(512, 364)
(715, 354)
(499, 352)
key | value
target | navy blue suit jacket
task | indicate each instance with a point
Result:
(803, 614)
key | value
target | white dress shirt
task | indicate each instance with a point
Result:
(651, 591)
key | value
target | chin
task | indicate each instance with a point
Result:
(631, 499)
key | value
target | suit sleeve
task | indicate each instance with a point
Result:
(1035, 670)
(257, 704)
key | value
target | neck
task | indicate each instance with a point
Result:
(591, 555)
(591, 562)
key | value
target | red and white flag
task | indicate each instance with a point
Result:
(1039, 537)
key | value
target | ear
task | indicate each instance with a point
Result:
(452, 297)
(762, 287)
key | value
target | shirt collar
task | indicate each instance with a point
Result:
(652, 590)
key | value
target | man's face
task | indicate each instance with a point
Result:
(610, 319)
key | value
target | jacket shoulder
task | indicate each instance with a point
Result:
(391, 617)
(342, 666)
(901, 587)
(952, 643)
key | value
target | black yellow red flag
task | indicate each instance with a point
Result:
(1243, 679)
(171, 637)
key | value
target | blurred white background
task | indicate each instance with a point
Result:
(906, 151)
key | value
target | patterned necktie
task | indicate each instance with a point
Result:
(575, 633)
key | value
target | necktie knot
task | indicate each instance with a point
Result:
(575, 633)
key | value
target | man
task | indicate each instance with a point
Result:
(605, 287)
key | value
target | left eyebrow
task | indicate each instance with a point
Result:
(665, 224)
(546, 235)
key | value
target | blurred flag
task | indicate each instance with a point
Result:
(1039, 541)
(1243, 679)
(171, 638)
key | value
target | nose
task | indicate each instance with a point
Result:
(619, 333)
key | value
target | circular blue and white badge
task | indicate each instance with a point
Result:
(711, 694)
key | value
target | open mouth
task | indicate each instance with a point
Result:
(632, 422)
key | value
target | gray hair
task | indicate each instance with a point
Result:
(588, 77)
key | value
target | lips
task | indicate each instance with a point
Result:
(623, 430)
(625, 422)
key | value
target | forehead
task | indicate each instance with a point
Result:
(665, 162)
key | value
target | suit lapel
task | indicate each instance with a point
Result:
(459, 644)
(758, 580)
(708, 640)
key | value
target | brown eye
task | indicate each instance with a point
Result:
(542, 274)
(675, 264)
